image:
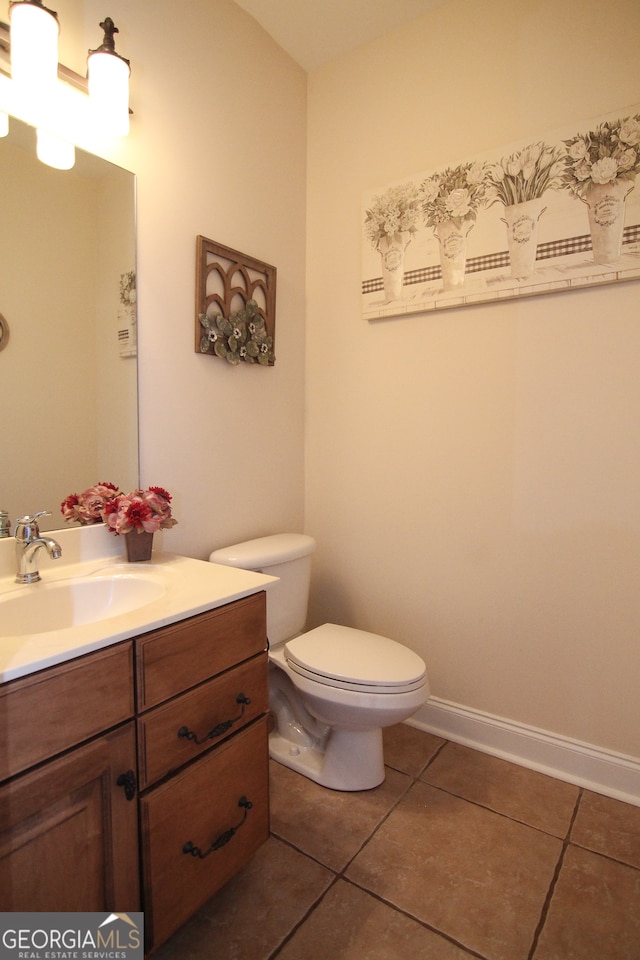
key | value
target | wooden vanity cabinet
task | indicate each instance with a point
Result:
(142, 764)
(68, 832)
(203, 758)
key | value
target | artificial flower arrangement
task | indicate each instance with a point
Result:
(607, 154)
(87, 507)
(455, 194)
(142, 511)
(526, 174)
(393, 213)
(242, 337)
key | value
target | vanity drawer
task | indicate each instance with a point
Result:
(208, 714)
(185, 654)
(200, 808)
(57, 708)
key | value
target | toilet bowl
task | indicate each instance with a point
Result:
(333, 688)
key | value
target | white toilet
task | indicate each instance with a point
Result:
(331, 690)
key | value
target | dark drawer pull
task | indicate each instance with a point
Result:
(223, 839)
(185, 734)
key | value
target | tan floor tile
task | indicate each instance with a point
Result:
(352, 925)
(477, 876)
(254, 912)
(533, 798)
(594, 912)
(408, 749)
(608, 826)
(328, 824)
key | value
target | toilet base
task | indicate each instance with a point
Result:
(350, 759)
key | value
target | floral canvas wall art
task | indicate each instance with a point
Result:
(542, 216)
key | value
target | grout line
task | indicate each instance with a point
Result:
(554, 880)
(303, 919)
(410, 916)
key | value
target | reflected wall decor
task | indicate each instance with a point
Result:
(541, 216)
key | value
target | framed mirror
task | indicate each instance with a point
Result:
(68, 375)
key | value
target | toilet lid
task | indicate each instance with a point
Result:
(344, 655)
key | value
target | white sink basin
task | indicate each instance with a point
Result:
(47, 606)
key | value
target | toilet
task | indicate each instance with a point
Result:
(332, 689)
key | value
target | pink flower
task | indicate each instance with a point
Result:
(88, 507)
(141, 510)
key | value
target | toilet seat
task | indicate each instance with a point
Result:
(352, 659)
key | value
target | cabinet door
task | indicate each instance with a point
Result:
(197, 830)
(68, 833)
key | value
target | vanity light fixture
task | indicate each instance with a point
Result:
(108, 75)
(64, 107)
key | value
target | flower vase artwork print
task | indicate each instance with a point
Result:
(136, 515)
(450, 204)
(506, 223)
(390, 224)
(601, 168)
(127, 326)
(520, 182)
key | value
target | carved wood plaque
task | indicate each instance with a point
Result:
(226, 281)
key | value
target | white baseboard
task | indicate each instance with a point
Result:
(603, 771)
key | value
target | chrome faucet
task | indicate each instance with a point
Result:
(28, 543)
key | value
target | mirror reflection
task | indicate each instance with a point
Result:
(68, 374)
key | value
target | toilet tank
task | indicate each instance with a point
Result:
(288, 557)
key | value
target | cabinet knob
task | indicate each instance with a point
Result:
(128, 781)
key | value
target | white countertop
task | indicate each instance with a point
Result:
(190, 587)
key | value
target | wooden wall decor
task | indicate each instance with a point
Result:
(235, 305)
(4, 332)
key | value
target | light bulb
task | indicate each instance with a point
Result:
(34, 44)
(54, 151)
(108, 76)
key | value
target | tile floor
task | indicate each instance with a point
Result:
(456, 855)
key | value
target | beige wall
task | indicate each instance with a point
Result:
(472, 476)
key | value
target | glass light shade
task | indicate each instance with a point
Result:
(4, 124)
(108, 76)
(34, 44)
(54, 151)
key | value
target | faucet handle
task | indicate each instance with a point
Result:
(27, 527)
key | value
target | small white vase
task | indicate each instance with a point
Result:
(452, 240)
(392, 256)
(522, 221)
(606, 208)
